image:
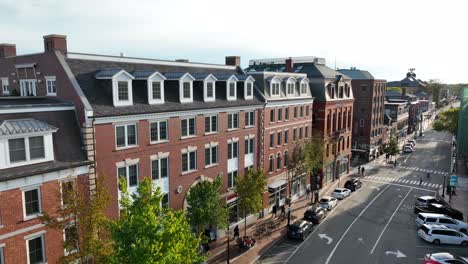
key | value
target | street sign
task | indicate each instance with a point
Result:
(453, 180)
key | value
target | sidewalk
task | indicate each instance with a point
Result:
(460, 200)
(218, 252)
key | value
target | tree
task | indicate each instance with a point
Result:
(448, 121)
(396, 89)
(434, 86)
(313, 159)
(249, 189)
(148, 232)
(205, 206)
(83, 216)
(392, 148)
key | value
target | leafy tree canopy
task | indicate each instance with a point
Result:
(249, 189)
(448, 121)
(313, 154)
(147, 232)
(396, 89)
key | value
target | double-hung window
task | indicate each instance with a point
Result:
(211, 124)
(279, 138)
(5, 90)
(36, 250)
(122, 91)
(188, 127)
(286, 113)
(156, 91)
(303, 88)
(249, 119)
(50, 84)
(272, 115)
(295, 112)
(126, 135)
(186, 90)
(2, 259)
(294, 134)
(210, 89)
(232, 89)
(300, 133)
(249, 146)
(26, 149)
(272, 140)
(67, 193)
(159, 168)
(275, 89)
(232, 178)
(189, 161)
(233, 150)
(307, 110)
(290, 88)
(130, 174)
(249, 89)
(233, 120)
(158, 131)
(286, 136)
(211, 155)
(301, 111)
(306, 132)
(32, 202)
(70, 239)
(280, 114)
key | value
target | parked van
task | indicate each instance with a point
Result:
(440, 219)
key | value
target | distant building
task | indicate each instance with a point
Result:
(462, 134)
(368, 114)
(397, 115)
(409, 85)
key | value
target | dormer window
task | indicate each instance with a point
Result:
(209, 86)
(155, 84)
(121, 85)
(249, 89)
(210, 90)
(156, 90)
(290, 87)
(304, 86)
(187, 90)
(275, 86)
(232, 89)
(51, 87)
(248, 86)
(28, 143)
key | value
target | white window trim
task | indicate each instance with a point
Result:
(209, 79)
(159, 141)
(303, 82)
(210, 147)
(155, 77)
(48, 150)
(217, 124)
(291, 81)
(195, 126)
(234, 80)
(2, 253)
(5, 83)
(34, 236)
(232, 120)
(47, 79)
(126, 164)
(186, 78)
(187, 151)
(248, 138)
(159, 157)
(32, 81)
(231, 142)
(126, 136)
(122, 76)
(39, 195)
(65, 252)
(248, 81)
(245, 121)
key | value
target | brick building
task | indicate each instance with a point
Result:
(368, 114)
(332, 108)
(397, 115)
(41, 155)
(287, 119)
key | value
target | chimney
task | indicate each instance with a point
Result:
(7, 50)
(233, 61)
(55, 42)
(289, 65)
(182, 60)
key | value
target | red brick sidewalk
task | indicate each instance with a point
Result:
(218, 252)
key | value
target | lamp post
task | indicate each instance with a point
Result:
(228, 236)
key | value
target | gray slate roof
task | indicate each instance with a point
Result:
(98, 92)
(107, 73)
(24, 126)
(357, 74)
(143, 74)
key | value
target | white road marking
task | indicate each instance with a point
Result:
(329, 239)
(388, 222)
(351, 225)
(424, 184)
(397, 254)
(400, 185)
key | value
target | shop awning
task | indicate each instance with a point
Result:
(276, 184)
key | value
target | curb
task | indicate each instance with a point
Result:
(276, 241)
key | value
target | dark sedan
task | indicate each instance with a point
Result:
(300, 229)
(315, 214)
(440, 209)
(353, 184)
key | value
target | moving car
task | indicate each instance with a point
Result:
(440, 234)
(438, 208)
(407, 149)
(300, 229)
(341, 193)
(430, 218)
(444, 258)
(315, 214)
(328, 202)
(424, 201)
(353, 184)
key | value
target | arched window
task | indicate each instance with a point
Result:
(334, 122)
(271, 163)
(278, 161)
(286, 158)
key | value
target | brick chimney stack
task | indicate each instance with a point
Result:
(55, 42)
(289, 65)
(233, 61)
(7, 50)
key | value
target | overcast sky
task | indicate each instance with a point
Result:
(384, 37)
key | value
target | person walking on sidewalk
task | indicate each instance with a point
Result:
(362, 171)
(236, 232)
(307, 193)
(273, 211)
(359, 169)
(283, 211)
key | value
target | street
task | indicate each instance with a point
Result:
(376, 224)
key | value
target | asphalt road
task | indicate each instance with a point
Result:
(376, 223)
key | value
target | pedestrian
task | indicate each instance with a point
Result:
(273, 211)
(283, 211)
(396, 163)
(308, 193)
(359, 169)
(420, 180)
(362, 170)
(236, 232)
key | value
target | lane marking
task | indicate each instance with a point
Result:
(390, 219)
(401, 185)
(351, 225)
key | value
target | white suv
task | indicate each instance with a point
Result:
(440, 234)
(428, 218)
(341, 193)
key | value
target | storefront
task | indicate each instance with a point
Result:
(328, 173)
(298, 186)
(231, 204)
(277, 192)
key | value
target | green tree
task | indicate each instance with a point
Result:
(396, 89)
(434, 86)
(313, 159)
(83, 215)
(392, 148)
(205, 206)
(249, 189)
(448, 121)
(148, 232)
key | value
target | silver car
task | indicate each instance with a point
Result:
(327, 202)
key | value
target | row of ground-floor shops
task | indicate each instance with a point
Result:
(280, 188)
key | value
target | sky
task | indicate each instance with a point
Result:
(384, 37)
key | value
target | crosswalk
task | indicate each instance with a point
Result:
(404, 181)
(422, 170)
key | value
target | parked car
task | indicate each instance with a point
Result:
(412, 142)
(440, 234)
(444, 258)
(430, 218)
(328, 202)
(424, 201)
(438, 208)
(407, 149)
(300, 229)
(341, 193)
(315, 214)
(353, 184)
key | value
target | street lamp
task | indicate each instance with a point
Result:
(228, 233)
